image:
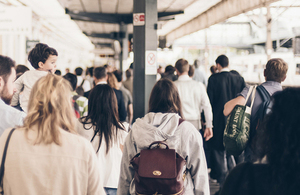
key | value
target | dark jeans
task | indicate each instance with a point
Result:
(111, 191)
(220, 165)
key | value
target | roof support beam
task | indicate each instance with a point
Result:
(114, 18)
(102, 45)
(112, 35)
(216, 14)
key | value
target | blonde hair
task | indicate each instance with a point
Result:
(50, 109)
(112, 80)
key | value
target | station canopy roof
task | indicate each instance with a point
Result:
(101, 19)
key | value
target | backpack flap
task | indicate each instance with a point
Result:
(164, 166)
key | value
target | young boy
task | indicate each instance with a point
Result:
(43, 59)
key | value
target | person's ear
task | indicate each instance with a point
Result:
(283, 78)
(41, 64)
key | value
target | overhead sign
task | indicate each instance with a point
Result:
(151, 61)
(138, 19)
(15, 20)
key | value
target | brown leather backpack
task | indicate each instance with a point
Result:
(159, 171)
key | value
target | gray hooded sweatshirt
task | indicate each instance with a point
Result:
(185, 139)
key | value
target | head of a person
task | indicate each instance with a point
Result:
(182, 66)
(119, 75)
(42, 57)
(112, 80)
(191, 71)
(109, 68)
(279, 136)
(50, 109)
(72, 78)
(7, 78)
(213, 69)
(276, 70)
(169, 69)
(100, 73)
(222, 61)
(57, 72)
(128, 73)
(197, 63)
(103, 113)
(78, 71)
(165, 98)
(90, 71)
(21, 69)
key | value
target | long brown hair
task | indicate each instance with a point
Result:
(50, 109)
(165, 98)
(103, 115)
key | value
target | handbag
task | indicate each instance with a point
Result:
(3, 158)
(159, 171)
(237, 129)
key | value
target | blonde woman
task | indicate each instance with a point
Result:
(45, 156)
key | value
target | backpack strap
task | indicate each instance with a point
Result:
(264, 94)
(82, 82)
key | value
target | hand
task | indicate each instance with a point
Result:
(208, 133)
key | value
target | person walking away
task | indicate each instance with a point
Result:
(161, 124)
(222, 87)
(275, 73)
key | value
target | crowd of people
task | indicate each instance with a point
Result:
(73, 134)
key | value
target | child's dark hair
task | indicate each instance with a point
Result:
(40, 53)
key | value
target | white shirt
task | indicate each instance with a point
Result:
(86, 84)
(109, 162)
(10, 117)
(24, 84)
(194, 99)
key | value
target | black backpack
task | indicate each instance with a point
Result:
(262, 111)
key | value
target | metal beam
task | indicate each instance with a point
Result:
(103, 44)
(216, 14)
(114, 18)
(112, 35)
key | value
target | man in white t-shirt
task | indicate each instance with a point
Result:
(193, 98)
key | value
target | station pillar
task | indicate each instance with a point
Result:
(145, 54)
(124, 46)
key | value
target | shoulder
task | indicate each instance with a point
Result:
(189, 131)
(76, 142)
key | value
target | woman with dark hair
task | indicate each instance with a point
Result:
(279, 140)
(161, 124)
(102, 127)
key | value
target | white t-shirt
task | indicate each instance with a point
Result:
(109, 162)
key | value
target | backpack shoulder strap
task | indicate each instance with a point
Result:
(263, 93)
(82, 82)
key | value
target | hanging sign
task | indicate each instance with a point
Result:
(151, 61)
(138, 19)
